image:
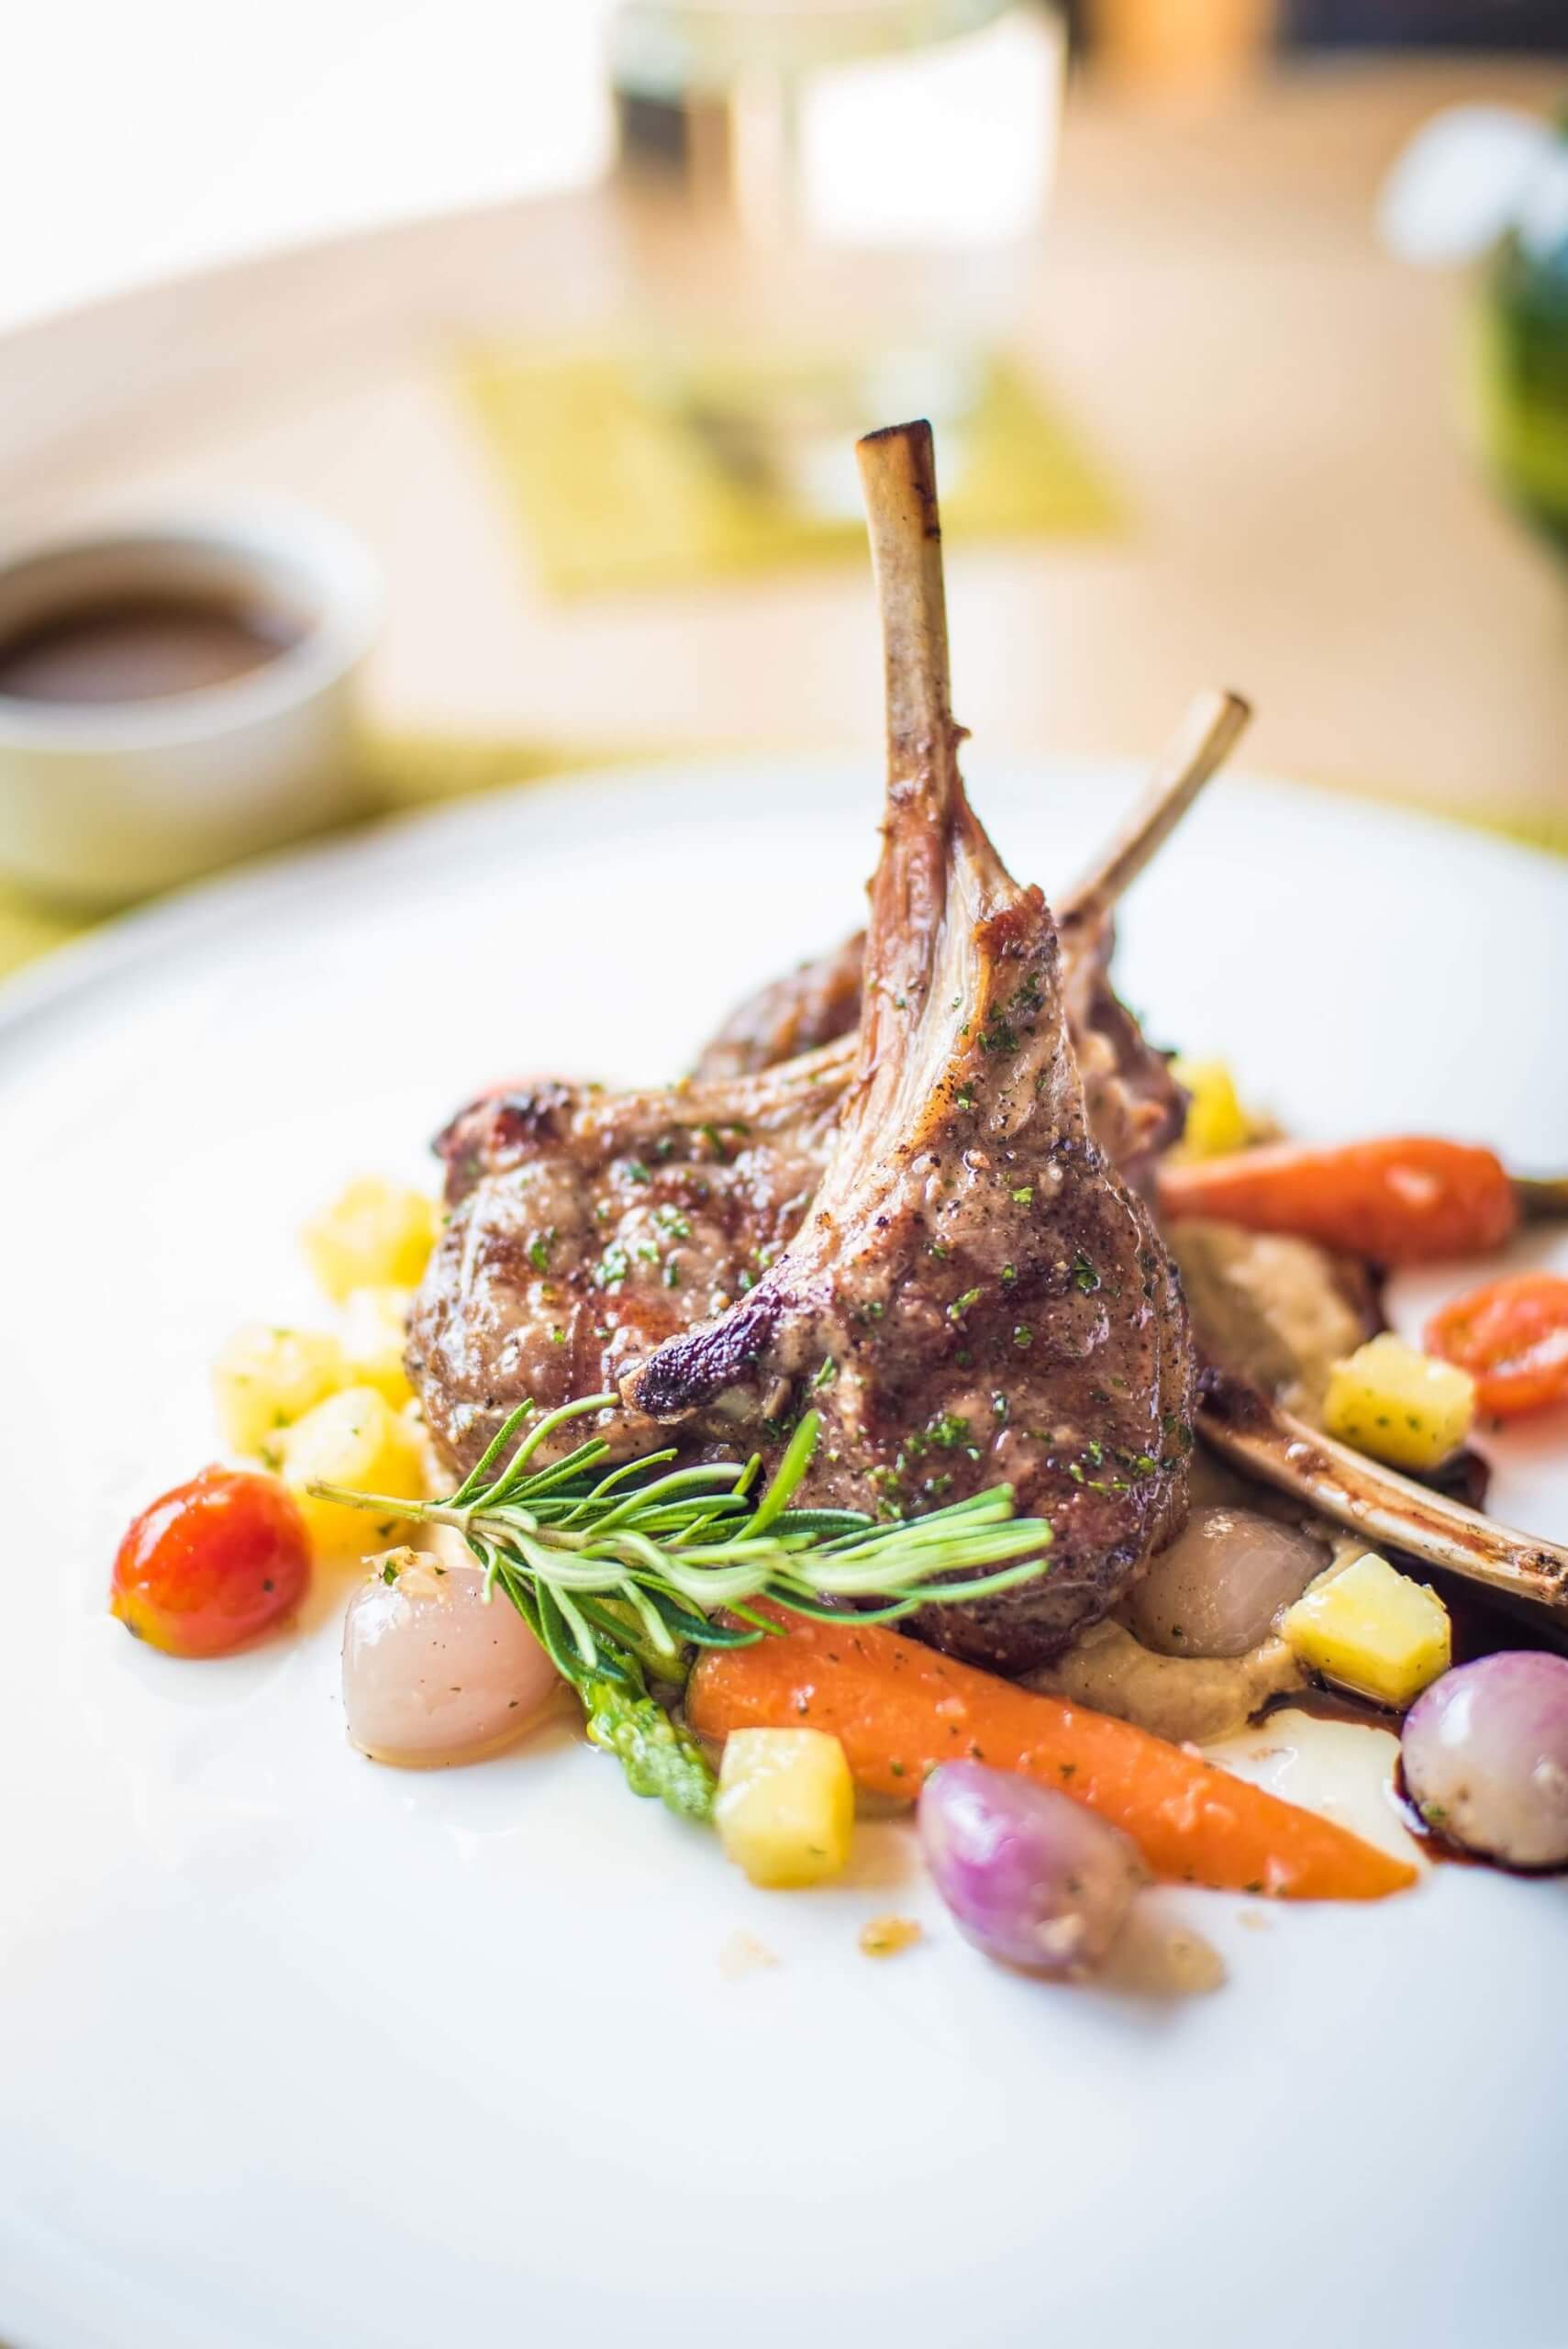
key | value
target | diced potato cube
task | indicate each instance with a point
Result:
(355, 1439)
(376, 1326)
(266, 1379)
(1372, 1630)
(1400, 1405)
(376, 1234)
(1216, 1122)
(785, 1810)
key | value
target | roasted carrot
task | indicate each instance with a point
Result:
(899, 1710)
(1402, 1201)
(1512, 1336)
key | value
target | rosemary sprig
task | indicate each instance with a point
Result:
(619, 1572)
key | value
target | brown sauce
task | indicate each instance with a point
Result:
(1327, 1704)
(140, 648)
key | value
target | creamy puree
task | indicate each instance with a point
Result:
(1188, 1700)
(1276, 1311)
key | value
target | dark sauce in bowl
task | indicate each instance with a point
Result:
(140, 647)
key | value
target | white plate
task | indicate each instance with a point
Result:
(297, 2050)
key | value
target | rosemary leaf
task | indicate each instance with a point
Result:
(619, 1571)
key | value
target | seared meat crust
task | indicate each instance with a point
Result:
(587, 1227)
(917, 1229)
(975, 1296)
(1136, 1109)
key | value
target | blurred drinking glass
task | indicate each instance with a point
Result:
(833, 203)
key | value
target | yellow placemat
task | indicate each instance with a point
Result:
(615, 487)
(27, 930)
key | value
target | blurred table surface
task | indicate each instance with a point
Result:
(1275, 395)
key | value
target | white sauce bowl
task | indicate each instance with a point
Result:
(101, 803)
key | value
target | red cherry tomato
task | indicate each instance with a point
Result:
(1512, 1336)
(211, 1563)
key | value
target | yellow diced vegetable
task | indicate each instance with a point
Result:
(266, 1379)
(375, 1325)
(1371, 1630)
(786, 1809)
(1216, 1123)
(356, 1438)
(376, 1234)
(1400, 1405)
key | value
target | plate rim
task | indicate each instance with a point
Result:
(52, 984)
(71, 987)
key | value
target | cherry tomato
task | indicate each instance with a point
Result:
(211, 1563)
(1512, 1336)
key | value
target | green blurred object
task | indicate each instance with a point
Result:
(1523, 348)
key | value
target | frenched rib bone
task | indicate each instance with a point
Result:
(975, 1295)
(1135, 1108)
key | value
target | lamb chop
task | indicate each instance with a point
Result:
(1135, 1106)
(976, 1295)
(816, 1003)
(587, 1227)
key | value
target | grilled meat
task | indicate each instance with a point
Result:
(814, 1005)
(588, 1225)
(1135, 1106)
(975, 1296)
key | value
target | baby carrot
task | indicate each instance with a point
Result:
(899, 1708)
(1402, 1201)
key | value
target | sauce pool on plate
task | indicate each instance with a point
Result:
(140, 648)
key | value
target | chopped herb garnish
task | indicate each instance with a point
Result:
(612, 1268)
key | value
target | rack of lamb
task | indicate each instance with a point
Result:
(917, 1231)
